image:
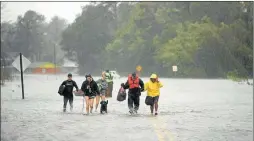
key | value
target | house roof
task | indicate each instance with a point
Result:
(36, 64)
(42, 65)
(69, 63)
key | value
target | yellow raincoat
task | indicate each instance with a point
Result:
(153, 89)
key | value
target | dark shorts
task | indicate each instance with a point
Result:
(102, 93)
(156, 99)
(91, 96)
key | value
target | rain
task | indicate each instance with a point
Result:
(202, 55)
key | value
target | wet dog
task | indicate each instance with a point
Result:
(104, 106)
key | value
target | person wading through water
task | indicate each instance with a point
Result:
(109, 79)
(90, 89)
(103, 86)
(153, 90)
(135, 86)
(68, 92)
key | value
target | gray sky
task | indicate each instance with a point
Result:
(67, 10)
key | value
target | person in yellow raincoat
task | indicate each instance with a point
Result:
(153, 90)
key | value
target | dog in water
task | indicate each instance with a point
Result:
(104, 106)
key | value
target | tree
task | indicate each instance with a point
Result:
(53, 38)
(189, 34)
(87, 37)
(30, 35)
(155, 35)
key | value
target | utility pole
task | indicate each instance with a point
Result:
(55, 56)
(55, 40)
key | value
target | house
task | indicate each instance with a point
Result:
(69, 66)
(43, 68)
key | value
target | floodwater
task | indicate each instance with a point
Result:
(189, 110)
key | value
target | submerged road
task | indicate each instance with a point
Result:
(189, 110)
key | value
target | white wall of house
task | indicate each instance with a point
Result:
(69, 66)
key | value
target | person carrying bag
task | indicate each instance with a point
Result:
(66, 90)
(153, 92)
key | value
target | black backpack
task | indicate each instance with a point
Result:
(61, 90)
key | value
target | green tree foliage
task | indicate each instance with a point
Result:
(33, 36)
(29, 37)
(85, 39)
(53, 38)
(191, 35)
(204, 39)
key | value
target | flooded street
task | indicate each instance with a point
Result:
(189, 110)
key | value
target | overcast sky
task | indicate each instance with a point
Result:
(67, 10)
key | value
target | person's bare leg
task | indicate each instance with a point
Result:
(91, 104)
(156, 107)
(103, 98)
(151, 108)
(87, 104)
(97, 102)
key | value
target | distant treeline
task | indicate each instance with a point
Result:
(204, 39)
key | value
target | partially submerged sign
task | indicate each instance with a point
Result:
(174, 68)
(25, 63)
(21, 63)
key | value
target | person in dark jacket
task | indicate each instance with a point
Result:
(135, 86)
(90, 89)
(68, 92)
